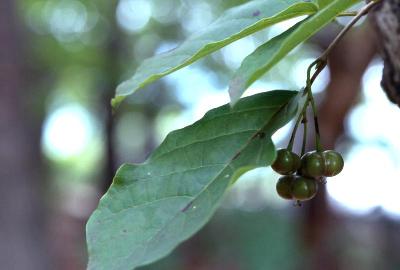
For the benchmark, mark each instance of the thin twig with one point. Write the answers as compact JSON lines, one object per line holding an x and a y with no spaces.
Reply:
{"x":339,"y":37}
{"x":319,"y":64}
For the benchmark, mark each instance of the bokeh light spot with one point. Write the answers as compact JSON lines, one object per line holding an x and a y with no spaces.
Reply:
{"x":133,"y":15}
{"x":67,"y":132}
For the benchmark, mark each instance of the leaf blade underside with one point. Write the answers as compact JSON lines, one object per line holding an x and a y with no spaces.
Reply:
{"x":152,"y":207}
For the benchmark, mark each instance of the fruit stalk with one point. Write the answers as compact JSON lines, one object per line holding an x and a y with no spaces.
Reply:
{"x":313,"y":106}
{"x":304,"y":121}
{"x":296,"y":126}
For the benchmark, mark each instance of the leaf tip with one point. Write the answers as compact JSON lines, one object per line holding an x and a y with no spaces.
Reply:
{"x":235,"y":90}
{"x":115,"y":102}
{"x":123,"y":90}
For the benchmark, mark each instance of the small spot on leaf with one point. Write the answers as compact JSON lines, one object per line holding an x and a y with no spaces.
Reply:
{"x":187,"y":207}
{"x":236,"y":156}
{"x":259,"y":135}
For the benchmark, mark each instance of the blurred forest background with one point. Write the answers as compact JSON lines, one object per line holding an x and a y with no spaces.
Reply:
{"x":60,"y":62}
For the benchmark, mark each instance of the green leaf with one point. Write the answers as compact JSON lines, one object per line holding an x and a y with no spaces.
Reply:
{"x":234,"y":24}
{"x":152,"y":207}
{"x":269,"y":54}
{"x":323,"y":3}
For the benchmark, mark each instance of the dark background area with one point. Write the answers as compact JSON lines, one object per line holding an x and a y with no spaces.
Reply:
{"x":60,"y":62}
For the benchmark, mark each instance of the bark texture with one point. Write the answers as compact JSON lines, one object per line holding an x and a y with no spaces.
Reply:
{"x":386,"y":18}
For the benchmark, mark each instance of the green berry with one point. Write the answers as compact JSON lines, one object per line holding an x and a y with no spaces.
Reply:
{"x":304,"y":188}
{"x":312,"y":164}
{"x":286,"y":162}
{"x":333,"y":163}
{"x":284,"y":186}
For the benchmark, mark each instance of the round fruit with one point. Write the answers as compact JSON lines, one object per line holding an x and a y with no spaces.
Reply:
{"x":304,"y":188}
{"x":286,"y":162}
{"x":284,"y":186}
{"x":312,"y":164}
{"x":333,"y":163}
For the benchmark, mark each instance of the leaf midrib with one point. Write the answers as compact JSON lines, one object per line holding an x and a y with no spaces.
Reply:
{"x":156,"y":157}
{"x":147,"y":203}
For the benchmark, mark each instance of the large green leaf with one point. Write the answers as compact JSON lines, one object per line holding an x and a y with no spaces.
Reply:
{"x":234,"y":24}
{"x":150,"y":208}
{"x":323,"y":3}
{"x":270,"y":53}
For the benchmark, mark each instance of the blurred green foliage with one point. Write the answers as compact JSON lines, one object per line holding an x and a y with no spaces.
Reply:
{"x":237,"y":239}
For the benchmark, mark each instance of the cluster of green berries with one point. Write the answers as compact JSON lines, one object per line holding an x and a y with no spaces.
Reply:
{"x":301,"y":175}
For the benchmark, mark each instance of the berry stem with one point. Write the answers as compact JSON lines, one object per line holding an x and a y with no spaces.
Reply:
{"x":321,"y":62}
{"x":319,"y":66}
{"x":296,"y":126}
{"x":304,"y":121}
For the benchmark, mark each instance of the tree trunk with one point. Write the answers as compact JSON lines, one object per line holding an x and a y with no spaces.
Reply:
{"x":387,"y":21}
{"x":22,"y":223}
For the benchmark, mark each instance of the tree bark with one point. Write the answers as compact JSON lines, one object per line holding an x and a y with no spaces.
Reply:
{"x":386,"y":18}
{"x":22,"y":223}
